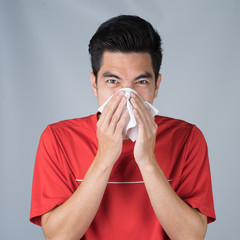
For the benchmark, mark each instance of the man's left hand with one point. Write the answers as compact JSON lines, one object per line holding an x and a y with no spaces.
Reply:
{"x":147,"y":129}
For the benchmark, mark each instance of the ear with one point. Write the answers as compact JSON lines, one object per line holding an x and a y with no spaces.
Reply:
{"x":93,"y":84}
{"x":159,"y":79}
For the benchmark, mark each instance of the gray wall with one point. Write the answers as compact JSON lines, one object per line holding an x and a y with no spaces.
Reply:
{"x":44,"y":78}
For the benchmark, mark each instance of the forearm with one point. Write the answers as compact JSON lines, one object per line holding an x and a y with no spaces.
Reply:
{"x":71,"y":219}
{"x":178,"y":219}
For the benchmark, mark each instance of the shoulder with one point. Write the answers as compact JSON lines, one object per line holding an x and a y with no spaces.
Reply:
{"x":72,"y":123}
{"x":177,"y":128}
{"x":76,"y":126}
{"x":168,"y":122}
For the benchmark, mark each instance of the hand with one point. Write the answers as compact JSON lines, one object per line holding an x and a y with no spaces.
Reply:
{"x":110,"y":127}
{"x":147,"y":129}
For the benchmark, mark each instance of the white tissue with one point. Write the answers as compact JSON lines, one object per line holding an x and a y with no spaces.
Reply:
{"x":131,"y":129}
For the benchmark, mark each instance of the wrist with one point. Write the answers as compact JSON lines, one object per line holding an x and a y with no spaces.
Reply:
{"x":148,"y":163}
{"x":104,"y":161}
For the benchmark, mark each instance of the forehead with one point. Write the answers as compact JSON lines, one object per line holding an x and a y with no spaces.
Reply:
{"x":132,"y":61}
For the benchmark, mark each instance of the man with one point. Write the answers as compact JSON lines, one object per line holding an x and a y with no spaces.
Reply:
{"x":90,"y":182}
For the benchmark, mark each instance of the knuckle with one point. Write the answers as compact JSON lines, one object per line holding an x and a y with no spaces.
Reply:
{"x":98,"y":124}
{"x":154,"y":130}
{"x":107,"y":108}
{"x":120,"y":125}
{"x":114,"y":118}
{"x":112,"y":124}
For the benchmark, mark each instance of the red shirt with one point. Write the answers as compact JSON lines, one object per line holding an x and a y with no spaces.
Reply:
{"x":67,"y":149}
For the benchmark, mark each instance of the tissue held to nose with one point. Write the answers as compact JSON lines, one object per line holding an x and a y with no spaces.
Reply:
{"x":131,"y":129}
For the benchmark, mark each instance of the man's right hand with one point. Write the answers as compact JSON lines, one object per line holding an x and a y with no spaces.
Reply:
{"x":110,"y":128}
{"x":70,"y":220}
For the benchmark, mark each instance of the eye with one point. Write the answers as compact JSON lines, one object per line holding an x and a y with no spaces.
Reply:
{"x":142,"y":82}
{"x":112,"y":81}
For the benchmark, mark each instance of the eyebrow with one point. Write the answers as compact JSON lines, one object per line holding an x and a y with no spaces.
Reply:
{"x":110,"y":75}
{"x":143,"y":75}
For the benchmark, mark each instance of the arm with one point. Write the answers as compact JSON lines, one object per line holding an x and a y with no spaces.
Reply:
{"x":71,"y":220}
{"x":178,"y":219}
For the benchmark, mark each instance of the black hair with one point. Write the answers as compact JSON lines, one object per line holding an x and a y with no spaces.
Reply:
{"x":125,"y":33}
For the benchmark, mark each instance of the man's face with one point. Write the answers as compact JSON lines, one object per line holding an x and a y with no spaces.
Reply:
{"x":125,"y":70}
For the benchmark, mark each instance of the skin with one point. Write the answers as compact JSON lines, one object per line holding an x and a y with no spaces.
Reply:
{"x":125,"y":70}
{"x":71,"y":220}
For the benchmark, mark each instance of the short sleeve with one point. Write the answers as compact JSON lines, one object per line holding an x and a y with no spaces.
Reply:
{"x":50,"y":187}
{"x":195,"y":187}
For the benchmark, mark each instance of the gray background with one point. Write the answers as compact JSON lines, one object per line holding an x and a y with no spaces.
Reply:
{"x":44,"y":78}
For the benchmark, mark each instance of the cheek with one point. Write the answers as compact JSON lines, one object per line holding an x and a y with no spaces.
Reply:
{"x":103,"y":96}
{"x":141,"y":92}
{"x":146,"y":95}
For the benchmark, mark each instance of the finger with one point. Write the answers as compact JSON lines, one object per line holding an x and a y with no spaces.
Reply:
{"x":142,"y":110}
{"x":143,"y":116}
{"x":110,"y":108}
{"x":118,"y":113}
{"x":139,"y":120}
{"x":110,"y":124}
{"x":122,"y":122}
